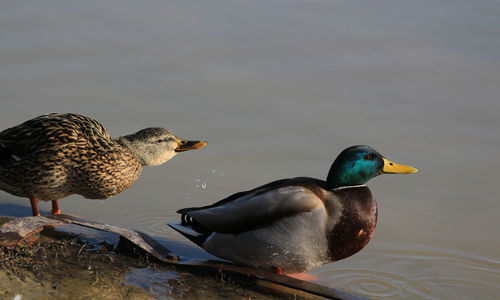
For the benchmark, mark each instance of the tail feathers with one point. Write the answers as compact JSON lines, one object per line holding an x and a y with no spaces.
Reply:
{"x":6,"y":157}
{"x":189,"y":232}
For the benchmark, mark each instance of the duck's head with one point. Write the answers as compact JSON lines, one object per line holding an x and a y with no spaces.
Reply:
{"x":153,"y":146}
{"x":358,"y":164}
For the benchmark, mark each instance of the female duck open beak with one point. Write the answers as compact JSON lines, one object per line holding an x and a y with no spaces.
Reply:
{"x":394,"y":168}
{"x":185,"y":145}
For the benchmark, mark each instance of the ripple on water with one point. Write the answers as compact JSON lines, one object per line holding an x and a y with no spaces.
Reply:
{"x":372,"y":283}
{"x":413,"y":272}
{"x":152,"y":221}
{"x":154,"y":225}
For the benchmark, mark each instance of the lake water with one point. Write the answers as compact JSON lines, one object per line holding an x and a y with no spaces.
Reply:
{"x":279,"y":88}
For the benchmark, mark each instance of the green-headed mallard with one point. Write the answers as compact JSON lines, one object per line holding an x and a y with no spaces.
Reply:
{"x":53,"y":156}
{"x":293,"y":225}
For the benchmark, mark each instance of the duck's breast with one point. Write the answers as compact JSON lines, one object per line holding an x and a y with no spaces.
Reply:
{"x":357,"y":222}
{"x":101,"y":172}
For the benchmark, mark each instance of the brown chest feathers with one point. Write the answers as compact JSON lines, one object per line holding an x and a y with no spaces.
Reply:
{"x":354,"y":229}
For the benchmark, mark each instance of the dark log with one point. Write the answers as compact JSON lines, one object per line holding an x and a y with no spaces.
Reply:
{"x":18,"y":230}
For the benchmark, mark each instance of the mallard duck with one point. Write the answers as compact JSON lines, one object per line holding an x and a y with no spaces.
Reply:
{"x":294,"y":225}
{"x":53,"y":156}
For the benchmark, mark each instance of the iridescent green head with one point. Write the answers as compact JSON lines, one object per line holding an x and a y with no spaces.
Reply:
{"x":358,"y":164}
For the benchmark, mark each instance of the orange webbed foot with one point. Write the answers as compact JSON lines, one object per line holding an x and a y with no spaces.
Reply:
{"x":301,"y":276}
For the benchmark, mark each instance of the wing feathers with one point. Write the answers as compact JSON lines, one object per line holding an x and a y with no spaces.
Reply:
{"x":46,"y":132}
{"x":256,"y":209}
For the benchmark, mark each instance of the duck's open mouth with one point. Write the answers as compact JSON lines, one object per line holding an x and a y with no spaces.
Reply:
{"x":184,"y":145}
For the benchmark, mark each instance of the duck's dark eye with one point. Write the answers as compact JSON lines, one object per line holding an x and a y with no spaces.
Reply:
{"x":171,"y":139}
{"x":160,"y":141}
{"x":369,"y":157}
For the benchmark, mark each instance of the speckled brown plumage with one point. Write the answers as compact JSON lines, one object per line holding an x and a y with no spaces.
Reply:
{"x":56,"y":155}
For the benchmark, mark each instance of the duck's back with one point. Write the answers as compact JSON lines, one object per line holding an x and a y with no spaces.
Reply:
{"x":55,"y":155}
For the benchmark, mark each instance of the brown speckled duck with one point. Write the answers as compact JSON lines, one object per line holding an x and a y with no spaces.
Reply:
{"x":56,"y":155}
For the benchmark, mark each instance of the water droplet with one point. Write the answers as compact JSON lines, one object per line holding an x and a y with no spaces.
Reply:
{"x":204,"y":185}
{"x":189,"y":193}
{"x":197,"y":185}
{"x":197,"y":180}
{"x":213,"y":171}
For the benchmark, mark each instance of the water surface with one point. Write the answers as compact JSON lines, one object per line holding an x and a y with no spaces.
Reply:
{"x":279,"y":88}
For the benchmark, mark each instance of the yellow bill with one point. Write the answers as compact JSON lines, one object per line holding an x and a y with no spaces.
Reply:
{"x":394,"y":168}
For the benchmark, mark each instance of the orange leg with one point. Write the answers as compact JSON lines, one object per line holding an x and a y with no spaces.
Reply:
{"x":34,"y":206}
{"x":55,"y":207}
{"x":301,"y":276}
